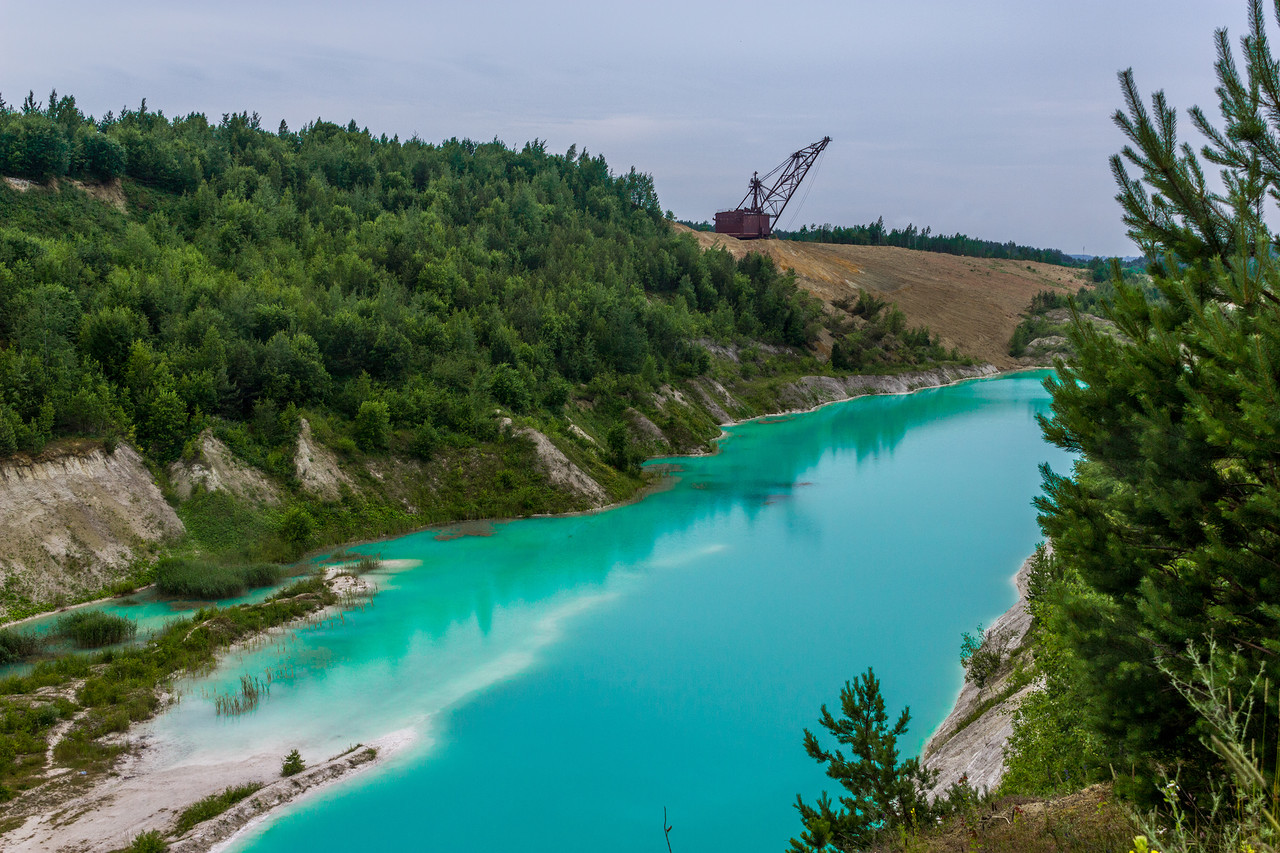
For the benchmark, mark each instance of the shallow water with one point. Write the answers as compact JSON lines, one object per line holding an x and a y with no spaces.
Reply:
{"x":567,"y":678}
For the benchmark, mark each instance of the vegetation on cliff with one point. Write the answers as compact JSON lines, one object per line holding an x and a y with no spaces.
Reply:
{"x":1156,"y":623}
{"x":1156,"y":616}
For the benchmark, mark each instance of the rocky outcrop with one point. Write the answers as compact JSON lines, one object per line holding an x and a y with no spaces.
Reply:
{"x":812,"y":391}
{"x":971,"y":740}
{"x":218,"y":469}
{"x":73,"y":522}
{"x":317,"y":468}
{"x":562,"y":472}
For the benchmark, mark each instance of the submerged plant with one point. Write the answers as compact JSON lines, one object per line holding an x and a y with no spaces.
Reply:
{"x":251,"y":691}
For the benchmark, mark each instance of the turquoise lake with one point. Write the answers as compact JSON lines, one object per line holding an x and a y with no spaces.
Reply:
{"x":564,"y":679}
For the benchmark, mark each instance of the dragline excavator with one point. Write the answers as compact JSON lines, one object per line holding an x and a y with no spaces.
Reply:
{"x":760,"y":207}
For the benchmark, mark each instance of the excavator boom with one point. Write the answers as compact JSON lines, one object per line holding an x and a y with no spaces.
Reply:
{"x":760,"y":207}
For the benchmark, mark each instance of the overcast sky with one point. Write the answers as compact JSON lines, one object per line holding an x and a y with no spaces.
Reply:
{"x":990,"y":117}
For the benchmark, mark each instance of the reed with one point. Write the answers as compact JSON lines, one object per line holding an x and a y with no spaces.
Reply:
{"x":93,"y":629}
{"x":251,"y":692}
{"x":199,"y":579}
{"x":16,"y":646}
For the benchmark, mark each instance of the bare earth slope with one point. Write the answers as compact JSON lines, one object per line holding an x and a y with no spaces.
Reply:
{"x":972,"y":304}
{"x":71,"y":519}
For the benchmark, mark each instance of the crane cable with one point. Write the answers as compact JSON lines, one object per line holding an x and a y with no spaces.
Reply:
{"x":817,"y":167}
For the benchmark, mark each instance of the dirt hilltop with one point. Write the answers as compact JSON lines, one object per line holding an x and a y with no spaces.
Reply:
{"x":972,"y":304}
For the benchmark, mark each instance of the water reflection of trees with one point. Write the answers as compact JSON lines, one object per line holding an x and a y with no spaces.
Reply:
{"x":536,"y":561}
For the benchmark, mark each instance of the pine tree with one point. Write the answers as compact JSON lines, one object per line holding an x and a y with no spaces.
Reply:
{"x":1171,"y":518}
{"x":883,"y":793}
{"x":292,"y":764}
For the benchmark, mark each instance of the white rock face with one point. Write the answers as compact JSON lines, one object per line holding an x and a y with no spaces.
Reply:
{"x":217,"y":468}
{"x":811,"y":391}
{"x":562,"y":472}
{"x":317,"y":467}
{"x":70,"y":523}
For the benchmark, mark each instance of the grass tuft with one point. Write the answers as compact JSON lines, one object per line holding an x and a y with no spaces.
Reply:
{"x":213,"y":805}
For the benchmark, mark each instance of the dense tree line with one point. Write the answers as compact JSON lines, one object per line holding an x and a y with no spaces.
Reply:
{"x":925,"y":240}
{"x":403,"y":286}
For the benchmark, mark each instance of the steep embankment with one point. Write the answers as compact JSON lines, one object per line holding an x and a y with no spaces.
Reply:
{"x":73,"y":519}
{"x":972,"y":304}
{"x":970,"y":742}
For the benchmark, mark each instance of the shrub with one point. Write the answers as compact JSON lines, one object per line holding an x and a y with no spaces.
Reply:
{"x":982,"y":655}
{"x":296,"y":525}
{"x":148,"y":842}
{"x":425,"y":440}
{"x":372,"y":429}
{"x":92,"y":629}
{"x":293,"y":764}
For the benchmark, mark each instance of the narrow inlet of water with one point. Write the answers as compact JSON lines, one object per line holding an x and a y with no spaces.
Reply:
{"x":565,"y":679}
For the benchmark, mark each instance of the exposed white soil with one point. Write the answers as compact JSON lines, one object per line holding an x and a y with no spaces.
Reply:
{"x":977,"y":749}
{"x":110,"y":192}
{"x":713,"y":397}
{"x":21,"y":184}
{"x":71,"y":523}
{"x":667,"y":394}
{"x":1049,"y":344}
{"x":810,"y":392}
{"x":733,"y":352}
{"x":562,"y":472}
{"x":646,"y":429}
{"x":149,"y":791}
{"x":581,"y":433}
{"x":317,"y":467}
{"x":218,"y":469}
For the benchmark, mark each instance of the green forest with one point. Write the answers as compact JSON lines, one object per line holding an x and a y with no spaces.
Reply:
{"x":165,"y":278}
{"x":255,"y":273}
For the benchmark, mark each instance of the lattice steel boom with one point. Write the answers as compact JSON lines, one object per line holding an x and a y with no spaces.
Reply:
{"x":761,"y":207}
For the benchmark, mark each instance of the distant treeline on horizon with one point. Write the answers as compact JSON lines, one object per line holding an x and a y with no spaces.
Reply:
{"x":924,"y":240}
